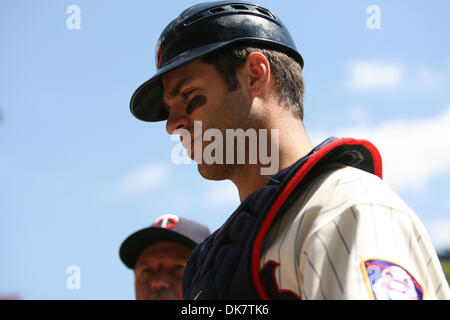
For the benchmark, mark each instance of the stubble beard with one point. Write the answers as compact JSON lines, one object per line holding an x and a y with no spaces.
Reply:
{"x":234,"y":113}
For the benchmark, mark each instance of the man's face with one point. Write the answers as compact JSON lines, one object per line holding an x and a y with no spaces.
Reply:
{"x":197,"y":92}
{"x":159,"y":271}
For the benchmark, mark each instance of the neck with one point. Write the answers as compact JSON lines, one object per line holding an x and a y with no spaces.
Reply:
{"x":293,"y":144}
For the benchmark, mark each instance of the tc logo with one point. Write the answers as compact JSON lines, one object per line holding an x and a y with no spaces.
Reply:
{"x":166,"y":221}
{"x":159,"y":56}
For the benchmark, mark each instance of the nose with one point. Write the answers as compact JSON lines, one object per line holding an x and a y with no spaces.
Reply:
{"x":159,"y":283}
{"x":177,"y":121}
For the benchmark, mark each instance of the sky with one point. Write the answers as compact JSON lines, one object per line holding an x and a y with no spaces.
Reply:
{"x":78,"y":173}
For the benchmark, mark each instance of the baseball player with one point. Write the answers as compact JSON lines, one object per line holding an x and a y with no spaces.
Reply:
{"x":158,"y":256}
{"x":324,"y":225}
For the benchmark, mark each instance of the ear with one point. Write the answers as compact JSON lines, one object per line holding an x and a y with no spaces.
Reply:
{"x":257,"y":72}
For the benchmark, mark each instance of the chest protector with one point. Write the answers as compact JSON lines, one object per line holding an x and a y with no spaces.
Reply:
{"x":227,"y":264}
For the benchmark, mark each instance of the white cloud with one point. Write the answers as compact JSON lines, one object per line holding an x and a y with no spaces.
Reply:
{"x":143,"y":178}
{"x":366,"y":75}
{"x":413,"y":151}
{"x":374,"y":74}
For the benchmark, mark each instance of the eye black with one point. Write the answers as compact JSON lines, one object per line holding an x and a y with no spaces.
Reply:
{"x":195,"y":103}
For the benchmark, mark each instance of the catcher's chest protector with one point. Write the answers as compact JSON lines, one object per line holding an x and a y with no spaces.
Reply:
{"x":227,"y":264}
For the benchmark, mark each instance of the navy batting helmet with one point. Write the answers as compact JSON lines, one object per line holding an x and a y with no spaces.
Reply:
{"x":200,"y":30}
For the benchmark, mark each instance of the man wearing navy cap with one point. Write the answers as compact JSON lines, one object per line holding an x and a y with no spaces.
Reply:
{"x":158,"y":255}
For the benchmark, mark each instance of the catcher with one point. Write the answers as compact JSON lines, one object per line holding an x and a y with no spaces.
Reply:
{"x":324,"y":225}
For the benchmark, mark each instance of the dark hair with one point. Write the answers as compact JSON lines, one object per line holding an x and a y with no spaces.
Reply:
{"x":287,"y":71}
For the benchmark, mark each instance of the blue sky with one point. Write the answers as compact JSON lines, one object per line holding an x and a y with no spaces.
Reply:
{"x":78,"y":173}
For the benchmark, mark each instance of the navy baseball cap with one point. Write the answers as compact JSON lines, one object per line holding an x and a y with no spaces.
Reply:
{"x":168,"y":227}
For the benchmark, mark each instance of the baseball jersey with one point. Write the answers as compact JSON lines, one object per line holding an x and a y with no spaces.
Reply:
{"x":349,"y":236}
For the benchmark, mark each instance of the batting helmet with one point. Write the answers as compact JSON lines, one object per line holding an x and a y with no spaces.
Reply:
{"x":202,"y":29}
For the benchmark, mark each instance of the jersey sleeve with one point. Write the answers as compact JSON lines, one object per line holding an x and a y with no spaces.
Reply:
{"x":371,"y":251}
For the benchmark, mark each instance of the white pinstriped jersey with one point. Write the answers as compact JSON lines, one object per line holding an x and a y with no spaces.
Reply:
{"x":349,"y":236}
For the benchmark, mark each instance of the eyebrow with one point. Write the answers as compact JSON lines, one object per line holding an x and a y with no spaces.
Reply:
{"x":176,"y":90}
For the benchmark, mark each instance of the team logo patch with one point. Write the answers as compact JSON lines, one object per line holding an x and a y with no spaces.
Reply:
{"x":389,"y":281}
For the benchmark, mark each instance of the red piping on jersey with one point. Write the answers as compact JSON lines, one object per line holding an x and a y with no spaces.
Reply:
{"x":290,"y":187}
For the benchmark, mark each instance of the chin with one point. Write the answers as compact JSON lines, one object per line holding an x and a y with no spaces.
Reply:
{"x":215,"y":172}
